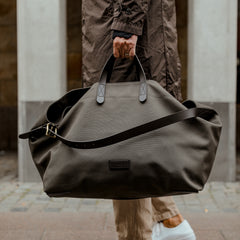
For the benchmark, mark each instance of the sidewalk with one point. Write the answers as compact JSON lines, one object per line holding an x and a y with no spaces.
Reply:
{"x":27,"y":213}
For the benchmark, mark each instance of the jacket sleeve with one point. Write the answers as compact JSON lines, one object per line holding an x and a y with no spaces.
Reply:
{"x":129,"y":16}
{"x":121,"y":34}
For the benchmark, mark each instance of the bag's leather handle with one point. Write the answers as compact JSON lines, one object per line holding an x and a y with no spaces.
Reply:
{"x":133,"y":132}
{"x":106,"y":75}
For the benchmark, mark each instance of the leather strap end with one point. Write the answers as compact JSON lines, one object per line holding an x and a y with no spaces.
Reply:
{"x":100,"y":100}
{"x":30,"y":133}
{"x":24,"y":135}
{"x":143,"y":92}
{"x":100,"y":93}
{"x":142,"y":98}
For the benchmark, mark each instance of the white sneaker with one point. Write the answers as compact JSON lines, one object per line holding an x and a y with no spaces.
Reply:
{"x":183,"y":231}
{"x":156,"y":232}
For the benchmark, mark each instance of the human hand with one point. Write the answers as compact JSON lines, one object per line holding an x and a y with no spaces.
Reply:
{"x":125,"y":48}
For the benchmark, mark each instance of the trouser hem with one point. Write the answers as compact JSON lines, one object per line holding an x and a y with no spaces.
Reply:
{"x":162,"y":216}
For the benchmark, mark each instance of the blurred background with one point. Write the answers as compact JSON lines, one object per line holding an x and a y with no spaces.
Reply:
{"x":40,"y":59}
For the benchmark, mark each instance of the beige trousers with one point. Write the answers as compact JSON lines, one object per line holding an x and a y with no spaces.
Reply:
{"x":134,"y":219}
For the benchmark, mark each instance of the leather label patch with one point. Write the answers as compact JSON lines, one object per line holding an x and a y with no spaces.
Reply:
{"x":119,"y":164}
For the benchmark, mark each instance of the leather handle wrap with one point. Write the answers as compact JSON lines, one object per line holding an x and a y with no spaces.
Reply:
{"x":106,"y":75}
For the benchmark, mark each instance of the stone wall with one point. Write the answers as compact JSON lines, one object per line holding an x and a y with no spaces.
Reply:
{"x":8,"y":61}
{"x":182,"y":20}
{"x":8,"y":65}
{"x":74,"y":44}
{"x":8,"y":75}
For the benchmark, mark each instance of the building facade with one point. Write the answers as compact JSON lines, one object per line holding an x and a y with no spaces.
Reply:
{"x":41,"y":59}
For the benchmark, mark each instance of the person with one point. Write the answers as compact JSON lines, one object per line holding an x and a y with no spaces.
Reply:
{"x":146,"y":28}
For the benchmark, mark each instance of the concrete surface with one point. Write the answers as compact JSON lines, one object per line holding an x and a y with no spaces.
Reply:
{"x":212,"y":61}
{"x":41,"y":57}
{"x":27,"y":213}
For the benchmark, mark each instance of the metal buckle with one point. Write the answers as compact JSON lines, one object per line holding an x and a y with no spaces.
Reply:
{"x":51,"y":127}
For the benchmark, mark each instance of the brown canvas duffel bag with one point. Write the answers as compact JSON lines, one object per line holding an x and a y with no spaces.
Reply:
{"x":124,"y":140}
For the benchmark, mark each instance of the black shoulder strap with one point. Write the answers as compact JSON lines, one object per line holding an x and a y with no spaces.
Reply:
{"x":132,"y":132}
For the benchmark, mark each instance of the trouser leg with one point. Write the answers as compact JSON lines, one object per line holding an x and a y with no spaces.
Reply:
{"x":133,"y":219}
{"x":163,"y":208}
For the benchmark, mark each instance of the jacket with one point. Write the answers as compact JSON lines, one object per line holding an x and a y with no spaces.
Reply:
{"x":154,"y":21}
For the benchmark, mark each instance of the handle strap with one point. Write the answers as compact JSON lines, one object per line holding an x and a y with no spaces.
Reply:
{"x":106,"y":75}
{"x":132,"y":132}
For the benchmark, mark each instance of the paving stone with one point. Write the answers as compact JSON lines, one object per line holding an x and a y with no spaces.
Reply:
{"x":87,"y":208}
{"x":57,"y":200}
{"x":230,"y":191}
{"x":73,"y":200}
{"x":20,"y":235}
{"x":23,"y":204}
{"x":19,"y":209}
{"x":9,"y":200}
{"x":194,"y":209}
{"x":207,"y":201}
{"x":55,"y":206}
{"x":210,"y":206}
{"x":29,"y":198}
{"x":217,"y":185}
{"x":26,"y":185}
{"x":68,"y":209}
{"x":104,"y":201}
{"x":216,"y":197}
{"x":34,"y":191}
{"x":72,"y":205}
{"x":89,"y":202}
{"x":179,"y":199}
{"x":37,"y":207}
{"x":102,"y":210}
{"x":42,"y":198}
{"x":232,"y":185}
{"x":5,"y":209}
{"x":52,"y":209}
{"x":231,"y":235}
{"x":100,"y":226}
{"x":69,"y":235}
{"x":209,"y":235}
{"x":228,"y":210}
{"x":234,"y":199}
